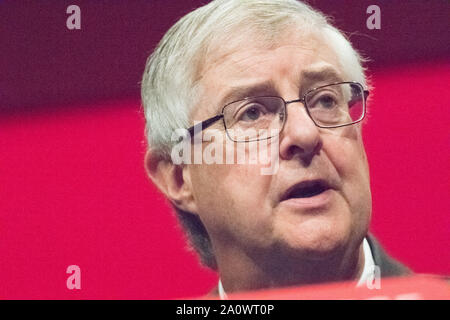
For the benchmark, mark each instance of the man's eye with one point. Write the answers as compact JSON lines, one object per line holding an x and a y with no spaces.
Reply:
{"x":251,"y":113}
{"x":326,"y":102}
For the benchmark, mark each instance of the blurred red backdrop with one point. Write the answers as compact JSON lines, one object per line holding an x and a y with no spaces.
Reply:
{"x":74,"y":190}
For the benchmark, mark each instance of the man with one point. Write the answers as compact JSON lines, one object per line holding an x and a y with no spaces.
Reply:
{"x":273,"y":72}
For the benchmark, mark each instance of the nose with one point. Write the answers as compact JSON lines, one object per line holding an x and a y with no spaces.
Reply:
{"x":300,"y":136}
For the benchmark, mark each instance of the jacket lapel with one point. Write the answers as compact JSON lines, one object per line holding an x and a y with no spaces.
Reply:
{"x":389,"y":267}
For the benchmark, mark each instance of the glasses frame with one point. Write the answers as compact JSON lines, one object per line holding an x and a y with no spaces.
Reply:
{"x":210,"y":121}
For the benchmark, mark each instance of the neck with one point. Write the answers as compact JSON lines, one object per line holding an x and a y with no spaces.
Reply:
{"x":244,"y":272}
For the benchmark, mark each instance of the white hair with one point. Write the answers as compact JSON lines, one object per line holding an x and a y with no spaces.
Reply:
{"x":169,"y":86}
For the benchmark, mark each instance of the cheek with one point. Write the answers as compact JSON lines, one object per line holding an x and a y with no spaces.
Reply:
{"x":345,"y":150}
{"x":234,"y":180}
{"x":231,"y":198}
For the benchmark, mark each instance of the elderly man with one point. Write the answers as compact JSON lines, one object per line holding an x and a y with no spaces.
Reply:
{"x":270,"y":73}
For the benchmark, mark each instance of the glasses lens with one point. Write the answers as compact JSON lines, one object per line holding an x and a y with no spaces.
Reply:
{"x":254,"y":118}
{"x":336,"y":104}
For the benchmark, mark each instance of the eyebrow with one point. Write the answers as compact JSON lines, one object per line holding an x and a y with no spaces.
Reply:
{"x":308,"y":77}
{"x":254,"y":90}
{"x":326,"y":73}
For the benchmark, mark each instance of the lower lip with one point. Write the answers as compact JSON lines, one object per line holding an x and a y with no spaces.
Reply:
{"x":317,"y":201}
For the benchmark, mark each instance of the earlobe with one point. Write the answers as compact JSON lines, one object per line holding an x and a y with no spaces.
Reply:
{"x":172,"y":180}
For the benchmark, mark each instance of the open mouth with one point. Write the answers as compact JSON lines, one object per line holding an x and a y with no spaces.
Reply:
{"x":306,"y":189}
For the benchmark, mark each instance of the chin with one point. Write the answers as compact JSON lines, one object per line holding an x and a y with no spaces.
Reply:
{"x":319,"y":241}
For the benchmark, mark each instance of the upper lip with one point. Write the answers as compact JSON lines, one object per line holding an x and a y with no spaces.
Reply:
{"x":303,"y":186}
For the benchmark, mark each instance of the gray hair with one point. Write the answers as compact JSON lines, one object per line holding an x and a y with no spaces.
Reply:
{"x":169,"y":87}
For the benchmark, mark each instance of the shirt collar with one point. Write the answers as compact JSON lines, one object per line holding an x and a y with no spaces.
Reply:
{"x":222,"y":294}
{"x":369,"y":264}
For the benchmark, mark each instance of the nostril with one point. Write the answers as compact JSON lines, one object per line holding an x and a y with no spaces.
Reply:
{"x":293,"y":149}
{"x":302,"y":147}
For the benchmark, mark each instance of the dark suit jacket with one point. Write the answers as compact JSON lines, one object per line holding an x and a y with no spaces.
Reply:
{"x":389,"y":267}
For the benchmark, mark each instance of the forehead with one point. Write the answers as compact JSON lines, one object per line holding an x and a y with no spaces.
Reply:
{"x":249,"y":68}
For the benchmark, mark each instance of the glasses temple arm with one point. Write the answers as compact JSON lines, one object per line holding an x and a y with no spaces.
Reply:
{"x":352,"y":102}
{"x":204,"y":124}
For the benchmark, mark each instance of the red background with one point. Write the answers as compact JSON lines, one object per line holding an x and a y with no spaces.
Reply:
{"x":73,"y":187}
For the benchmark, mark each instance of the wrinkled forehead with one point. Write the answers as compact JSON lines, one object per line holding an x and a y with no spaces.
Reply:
{"x":238,"y":63}
{"x":245,"y":40}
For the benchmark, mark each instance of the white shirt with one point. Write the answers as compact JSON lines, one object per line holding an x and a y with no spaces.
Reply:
{"x":366,"y":274}
{"x":369,"y":265}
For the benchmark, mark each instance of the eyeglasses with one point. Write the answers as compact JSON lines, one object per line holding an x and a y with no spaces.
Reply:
{"x":259,"y":118}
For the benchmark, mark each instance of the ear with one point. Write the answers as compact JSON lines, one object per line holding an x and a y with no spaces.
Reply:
{"x":172,"y":180}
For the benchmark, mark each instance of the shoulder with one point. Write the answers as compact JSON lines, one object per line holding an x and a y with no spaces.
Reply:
{"x":389,"y":267}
